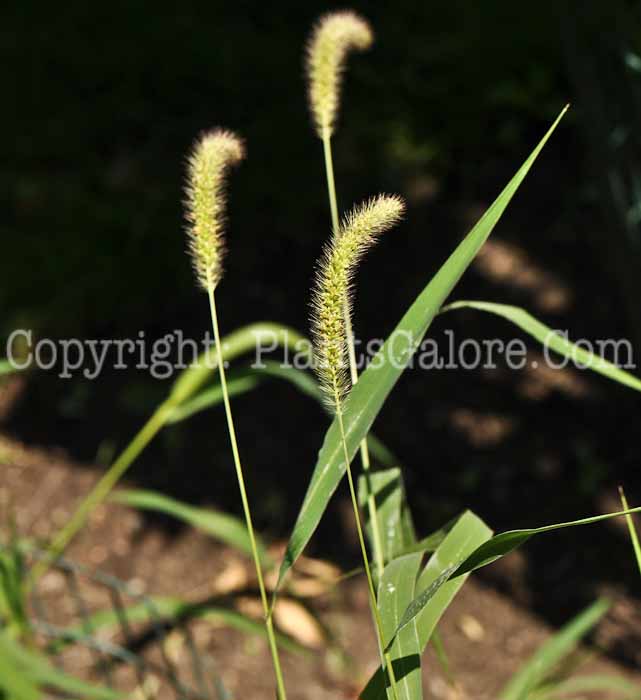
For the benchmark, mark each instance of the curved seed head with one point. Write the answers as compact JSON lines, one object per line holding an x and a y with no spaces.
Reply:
{"x":335,"y":35}
{"x":333,"y":287}
{"x":213,"y":153}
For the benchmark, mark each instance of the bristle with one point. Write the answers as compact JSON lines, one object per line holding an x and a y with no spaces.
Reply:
{"x":332,"y":292}
{"x":333,"y":37}
{"x":213,"y":153}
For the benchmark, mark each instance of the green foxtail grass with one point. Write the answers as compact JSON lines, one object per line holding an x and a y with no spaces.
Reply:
{"x":634,"y":537}
{"x":331,"y":304}
{"x":334,"y":35}
{"x":212,"y":155}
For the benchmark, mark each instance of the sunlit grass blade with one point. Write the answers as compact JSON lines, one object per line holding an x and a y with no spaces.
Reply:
{"x":550,"y":339}
{"x":233,"y":345}
{"x":632,"y":529}
{"x":495,"y":548}
{"x":221,"y":526}
{"x":237,"y":384}
{"x":395,"y":590}
{"x":389,"y":493}
{"x":175,"y":610}
{"x":431,"y":542}
{"x":368,"y":396}
{"x":462,"y":538}
{"x":469,"y":533}
{"x":537,"y":668}
{"x":502,"y":544}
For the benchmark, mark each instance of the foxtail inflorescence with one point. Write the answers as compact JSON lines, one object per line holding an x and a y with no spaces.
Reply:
{"x":212,"y":155}
{"x":332,"y":292}
{"x":333,"y":37}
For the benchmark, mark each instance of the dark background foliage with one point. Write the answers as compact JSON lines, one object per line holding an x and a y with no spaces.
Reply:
{"x":103,"y":101}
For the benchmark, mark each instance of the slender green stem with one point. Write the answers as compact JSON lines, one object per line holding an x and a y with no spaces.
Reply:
{"x":243,"y":496}
{"x":353,"y":369}
{"x":385,"y":656}
{"x":633,"y":532}
{"x":329,"y":174}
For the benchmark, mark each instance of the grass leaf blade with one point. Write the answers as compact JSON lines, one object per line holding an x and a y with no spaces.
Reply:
{"x":367,"y":397}
{"x":222,"y":526}
{"x":545,"y":659}
{"x":389,"y":493}
{"x":632,"y":529}
{"x":495,"y":548}
{"x":549,"y":339}
{"x":395,"y":591}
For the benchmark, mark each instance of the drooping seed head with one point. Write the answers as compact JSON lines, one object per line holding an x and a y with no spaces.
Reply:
{"x":213,"y":153}
{"x":335,"y":35}
{"x":332,"y":292}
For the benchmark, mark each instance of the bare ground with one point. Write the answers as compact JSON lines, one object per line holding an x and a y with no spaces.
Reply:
{"x":486,"y":635}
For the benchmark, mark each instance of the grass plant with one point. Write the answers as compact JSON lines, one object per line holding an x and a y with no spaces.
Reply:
{"x":335,"y":35}
{"x":214,"y":153}
{"x":331,"y":306}
{"x":413,"y":580}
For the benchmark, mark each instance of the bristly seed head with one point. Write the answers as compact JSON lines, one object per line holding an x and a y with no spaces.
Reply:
{"x":332,"y":292}
{"x":333,"y":37}
{"x":213,"y":153}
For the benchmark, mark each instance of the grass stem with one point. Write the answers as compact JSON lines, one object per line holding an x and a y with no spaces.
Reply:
{"x":353,"y":369}
{"x":282,"y":695}
{"x":385,"y":656}
{"x":633,"y":532}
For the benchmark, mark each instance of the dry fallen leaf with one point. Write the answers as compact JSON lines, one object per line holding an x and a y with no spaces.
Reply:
{"x":292,"y":618}
{"x":471,"y":628}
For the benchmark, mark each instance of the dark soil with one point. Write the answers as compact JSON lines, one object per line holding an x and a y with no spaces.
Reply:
{"x":486,"y":633}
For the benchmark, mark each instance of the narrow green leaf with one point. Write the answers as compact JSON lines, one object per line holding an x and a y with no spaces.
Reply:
{"x":395,"y":591}
{"x":490,"y":551}
{"x":550,"y":339}
{"x":302,"y":380}
{"x":502,"y":544}
{"x":222,"y":526}
{"x":243,"y":340}
{"x":463,"y":536}
{"x":431,"y":542}
{"x":545,"y":659}
{"x":213,"y":396}
{"x":389,"y":495}
{"x":468,"y":534}
{"x":368,"y":396}
{"x":631,"y":529}
{"x":422,"y":599}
